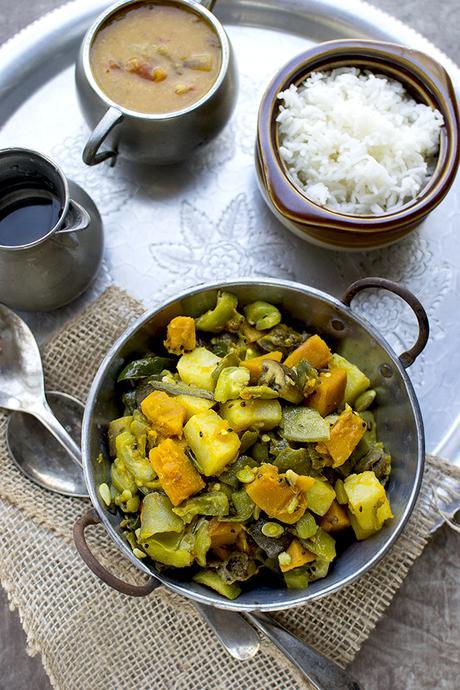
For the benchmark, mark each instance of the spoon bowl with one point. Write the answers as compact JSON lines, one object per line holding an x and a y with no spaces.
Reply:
{"x":37,"y":453}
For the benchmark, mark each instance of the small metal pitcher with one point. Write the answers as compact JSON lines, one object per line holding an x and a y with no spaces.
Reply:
{"x":153,"y":138}
{"x":60,"y":265}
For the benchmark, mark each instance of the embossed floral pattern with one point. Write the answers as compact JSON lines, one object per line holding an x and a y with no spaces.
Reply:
{"x":233,"y":247}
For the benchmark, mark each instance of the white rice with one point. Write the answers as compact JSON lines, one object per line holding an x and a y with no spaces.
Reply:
{"x":356,"y":141}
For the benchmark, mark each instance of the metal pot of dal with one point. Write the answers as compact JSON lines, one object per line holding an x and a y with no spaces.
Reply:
{"x":397,"y":415}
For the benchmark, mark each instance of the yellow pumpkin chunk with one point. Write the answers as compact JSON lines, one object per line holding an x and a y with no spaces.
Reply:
{"x":181,"y":335}
{"x":329,"y":394}
{"x":275,"y":496}
{"x":254,"y":365}
{"x":179,"y":479}
{"x":314,"y":350}
{"x":304,"y":482}
{"x":299,"y":556}
{"x":226,"y":534}
{"x":166,"y":414}
{"x":335,"y":519}
{"x":346,"y":433}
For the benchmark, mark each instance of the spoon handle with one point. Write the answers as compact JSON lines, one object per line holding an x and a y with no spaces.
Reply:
{"x":233,"y":631}
{"x":322,"y":673}
{"x":45,"y":415}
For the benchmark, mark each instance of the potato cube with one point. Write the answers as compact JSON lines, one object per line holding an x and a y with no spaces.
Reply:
{"x":212,"y":442}
{"x":195,"y":368}
{"x":194,"y":405}
{"x":257,"y":413}
{"x":367,"y":502}
{"x":357,"y":382}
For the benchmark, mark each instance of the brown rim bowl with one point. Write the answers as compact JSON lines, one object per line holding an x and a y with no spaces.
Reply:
{"x":424,"y":79}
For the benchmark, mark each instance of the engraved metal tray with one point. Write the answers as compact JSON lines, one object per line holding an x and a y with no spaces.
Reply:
{"x":204,"y":220}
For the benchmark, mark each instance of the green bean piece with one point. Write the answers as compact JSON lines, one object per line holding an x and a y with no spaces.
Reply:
{"x":215,"y":320}
{"x":229,"y":476}
{"x":142,"y":368}
{"x":262,"y":315}
{"x":272,"y":529}
{"x":246,"y":475}
{"x":179,"y":388}
{"x":297,"y":578}
{"x":365,"y":400}
{"x":157,"y":516}
{"x":213,"y":503}
{"x":306,"y":527}
{"x":231,"y":382}
{"x":247,"y":440}
{"x":211,"y":579}
{"x":202,"y":542}
{"x":340,"y":493}
{"x":321,"y":544}
{"x":262,"y":392}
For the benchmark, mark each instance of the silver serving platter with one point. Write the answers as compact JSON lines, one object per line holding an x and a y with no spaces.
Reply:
{"x":170,"y":228}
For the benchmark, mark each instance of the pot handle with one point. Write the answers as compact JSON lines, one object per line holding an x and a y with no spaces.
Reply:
{"x":91,"y":153}
{"x":92,"y":518}
{"x":409,"y":357}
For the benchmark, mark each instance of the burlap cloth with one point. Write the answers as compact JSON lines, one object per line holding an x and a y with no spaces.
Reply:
{"x":92,"y":638}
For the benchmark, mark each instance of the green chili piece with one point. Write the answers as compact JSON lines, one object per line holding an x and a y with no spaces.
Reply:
{"x":117,"y":427}
{"x":215,"y":320}
{"x":170,"y":549}
{"x":142,"y":368}
{"x":262,"y":315}
{"x":247,"y":440}
{"x":202,"y":542}
{"x":121,"y":477}
{"x":211,"y":579}
{"x":340,"y":493}
{"x":157,"y":516}
{"x":229,"y":360}
{"x":321,"y":544}
{"x":318,"y":569}
{"x":302,"y":424}
{"x":138,"y":465}
{"x":179,"y":388}
{"x":296,"y":578}
{"x":262,"y":392}
{"x":213,"y":503}
{"x":231,"y":382}
{"x":296,"y":460}
{"x":306,"y":527}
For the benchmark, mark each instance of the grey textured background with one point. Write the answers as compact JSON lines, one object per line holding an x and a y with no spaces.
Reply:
{"x":415,"y":645}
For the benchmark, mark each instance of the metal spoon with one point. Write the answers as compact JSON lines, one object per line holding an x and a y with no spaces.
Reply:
{"x":22,"y":390}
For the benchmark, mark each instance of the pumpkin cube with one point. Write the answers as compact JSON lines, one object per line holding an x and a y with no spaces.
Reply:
{"x":212,"y":441}
{"x":330,"y":392}
{"x":254,"y":365}
{"x":299,"y":556}
{"x":275,"y":496}
{"x":346,"y":433}
{"x":335,"y":519}
{"x":314,"y":350}
{"x":179,"y":479}
{"x":180,"y":335}
{"x":165,"y":413}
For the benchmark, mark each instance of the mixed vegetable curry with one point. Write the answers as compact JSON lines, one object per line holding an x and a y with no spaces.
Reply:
{"x":246,"y":447}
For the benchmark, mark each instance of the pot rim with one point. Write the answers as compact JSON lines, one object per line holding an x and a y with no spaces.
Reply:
{"x":193,"y":6}
{"x":182,"y":588}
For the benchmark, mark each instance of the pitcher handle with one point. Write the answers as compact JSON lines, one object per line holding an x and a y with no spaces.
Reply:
{"x":91,"y":153}
{"x":406,"y":358}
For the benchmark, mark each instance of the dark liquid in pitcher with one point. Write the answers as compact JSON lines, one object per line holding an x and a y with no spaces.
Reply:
{"x":28,"y":211}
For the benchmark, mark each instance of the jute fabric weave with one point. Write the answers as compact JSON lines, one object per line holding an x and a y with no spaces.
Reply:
{"x":93,"y":638}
